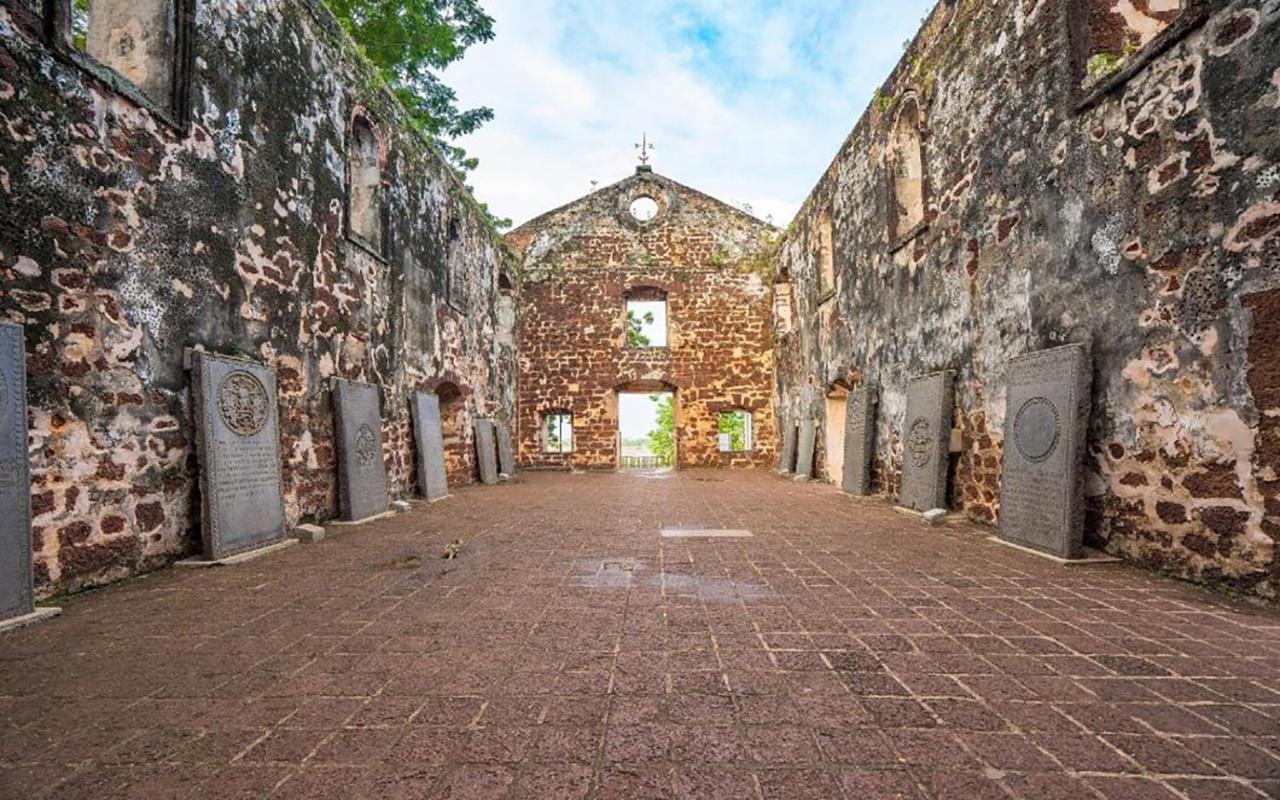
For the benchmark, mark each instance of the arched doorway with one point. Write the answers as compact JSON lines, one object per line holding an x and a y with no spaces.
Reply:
{"x":833,"y":436}
{"x":646,"y":411}
{"x":459,"y":466}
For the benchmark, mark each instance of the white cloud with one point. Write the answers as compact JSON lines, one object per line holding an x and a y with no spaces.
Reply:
{"x":747,"y":100}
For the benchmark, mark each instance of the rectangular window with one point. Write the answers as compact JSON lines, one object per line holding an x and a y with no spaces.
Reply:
{"x":646,"y":320}
{"x":826,"y":256}
{"x":557,"y":430}
{"x":735,"y":431}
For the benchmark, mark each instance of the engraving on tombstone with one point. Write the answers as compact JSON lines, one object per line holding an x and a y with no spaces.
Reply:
{"x":506,"y":449}
{"x":926,"y":442}
{"x":859,"y":440}
{"x":362,"y":470}
{"x":787,"y":456}
{"x":15,"y":482}
{"x":804,"y":455}
{"x":238,"y":445}
{"x":429,"y":433}
{"x":486,"y":451}
{"x":1046,"y":424}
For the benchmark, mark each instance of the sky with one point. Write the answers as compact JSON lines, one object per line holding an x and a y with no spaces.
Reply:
{"x":746,"y":100}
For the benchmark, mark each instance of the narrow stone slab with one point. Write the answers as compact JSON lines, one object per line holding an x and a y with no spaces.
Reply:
{"x":230,"y":561}
{"x":486,"y":451}
{"x":926,"y":441}
{"x":238,"y":444}
{"x":309,"y":534}
{"x":1046,"y":423}
{"x":1088,"y":556}
{"x":859,"y":440}
{"x":787,"y":455}
{"x":804,"y":453}
{"x":33,"y":618}
{"x":15,"y":477}
{"x":506,"y":449}
{"x":362,"y":469}
{"x":429,"y":434}
{"x":710,"y":533}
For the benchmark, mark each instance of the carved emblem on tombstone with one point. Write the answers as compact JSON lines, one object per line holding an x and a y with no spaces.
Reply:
{"x":243,"y":403}
{"x":367,"y":448}
{"x":920,"y":442}
{"x":1037,"y":428}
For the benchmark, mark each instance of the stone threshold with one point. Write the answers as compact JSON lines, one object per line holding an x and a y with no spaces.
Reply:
{"x":34,"y":618}
{"x":709,"y":533}
{"x":1091,"y":558}
{"x":388,"y":514}
{"x":200,"y":563}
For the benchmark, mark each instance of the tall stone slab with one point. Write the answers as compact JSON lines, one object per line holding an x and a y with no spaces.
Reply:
{"x":787,"y":453}
{"x":362,"y":470}
{"x":804,"y":452}
{"x":1046,"y":425}
{"x":486,"y":451}
{"x":859,"y":440}
{"x":428,"y":433}
{"x":15,"y":477}
{"x":926,"y":441}
{"x":238,"y":444}
{"x":506,"y":449}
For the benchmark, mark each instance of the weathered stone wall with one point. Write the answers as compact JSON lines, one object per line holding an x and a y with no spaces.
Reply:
{"x":1088,"y":176}
{"x":126,"y":239}
{"x":579,"y":263}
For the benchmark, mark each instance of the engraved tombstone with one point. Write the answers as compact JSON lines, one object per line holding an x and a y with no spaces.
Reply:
{"x":238,"y":444}
{"x":1046,"y":421}
{"x":362,"y":471}
{"x":859,"y":440}
{"x":506,"y":449}
{"x":804,"y":453}
{"x":15,"y":483}
{"x":787,"y":458}
{"x":926,"y":442}
{"x":486,"y":452}
{"x":428,"y":431}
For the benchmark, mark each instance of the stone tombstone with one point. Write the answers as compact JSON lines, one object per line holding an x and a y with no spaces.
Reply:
{"x":428,"y":433}
{"x":859,"y":440}
{"x":238,"y":444}
{"x":486,"y":451}
{"x":926,"y":441}
{"x":787,"y":456}
{"x":1046,"y":422}
{"x":804,"y":453}
{"x":362,"y":470}
{"x":506,"y":449}
{"x":15,"y":477}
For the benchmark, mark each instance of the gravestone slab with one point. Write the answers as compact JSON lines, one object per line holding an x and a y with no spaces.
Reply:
{"x":486,"y":451}
{"x":362,"y":470}
{"x":1046,"y":422}
{"x":859,"y":440}
{"x":804,"y":452}
{"x":429,"y":435}
{"x":926,"y":441}
{"x":506,"y":449}
{"x":238,"y":444}
{"x":15,"y":477}
{"x":787,"y":457}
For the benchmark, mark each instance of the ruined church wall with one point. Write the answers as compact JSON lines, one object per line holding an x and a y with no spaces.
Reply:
{"x":126,"y":239}
{"x":1138,"y":211}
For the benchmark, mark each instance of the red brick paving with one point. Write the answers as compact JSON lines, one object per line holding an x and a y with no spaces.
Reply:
{"x":845,"y":651}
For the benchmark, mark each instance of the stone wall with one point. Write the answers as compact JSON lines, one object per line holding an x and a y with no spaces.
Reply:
{"x":136,"y":227}
{"x":1092,"y":171}
{"x":578,"y":265}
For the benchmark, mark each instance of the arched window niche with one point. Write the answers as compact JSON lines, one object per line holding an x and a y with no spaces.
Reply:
{"x":905,"y":166}
{"x":366,"y":198}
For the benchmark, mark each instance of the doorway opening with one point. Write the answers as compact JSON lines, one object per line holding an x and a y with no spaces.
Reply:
{"x":458,"y":463}
{"x":646,"y":429}
{"x":833,"y":439}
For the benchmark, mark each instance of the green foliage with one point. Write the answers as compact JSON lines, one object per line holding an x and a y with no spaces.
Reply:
{"x":411,"y":42}
{"x":635,"y":328}
{"x":735,"y":424}
{"x":882,"y":99}
{"x":80,"y":24}
{"x":662,"y":439}
{"x":1102,"y":63}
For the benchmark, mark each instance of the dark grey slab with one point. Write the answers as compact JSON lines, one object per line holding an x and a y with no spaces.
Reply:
{"x":787,"y":456}
{"x":859,"y":440}
{"x":15,"y":477}
{"x":362,"y":470}
{"x":1046,"y":423}
{"x":506,"y":449}
{"x":926,"y":441}
{"x":428,"y":432}
{"x":238,"y":443}
{"x":805,"y":448}
{"x":486,"y":451}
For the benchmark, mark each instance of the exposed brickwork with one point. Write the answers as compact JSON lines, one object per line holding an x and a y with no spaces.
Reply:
{"x":578,"y":265}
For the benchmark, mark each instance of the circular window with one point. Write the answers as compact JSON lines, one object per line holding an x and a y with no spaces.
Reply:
{"x":644,"y":209}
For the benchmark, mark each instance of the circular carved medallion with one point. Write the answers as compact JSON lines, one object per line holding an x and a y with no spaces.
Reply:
{"x":920,"y":441}
{"x":367,"y":448}
{"x":243,"y":403}
{"x":1036,"y":429}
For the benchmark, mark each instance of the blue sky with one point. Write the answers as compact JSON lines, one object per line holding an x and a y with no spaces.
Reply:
{"x":746,"y":100}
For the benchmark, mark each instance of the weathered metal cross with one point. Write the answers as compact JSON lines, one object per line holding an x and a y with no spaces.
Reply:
{"x":645,"y":147}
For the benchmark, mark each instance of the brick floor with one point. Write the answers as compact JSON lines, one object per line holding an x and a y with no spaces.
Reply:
{"x":845,"y":651}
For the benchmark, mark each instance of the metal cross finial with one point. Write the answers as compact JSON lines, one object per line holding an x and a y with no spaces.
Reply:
{"x":645,"y":147}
